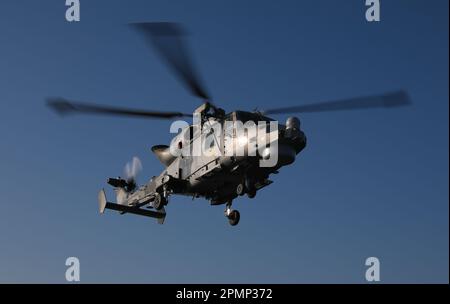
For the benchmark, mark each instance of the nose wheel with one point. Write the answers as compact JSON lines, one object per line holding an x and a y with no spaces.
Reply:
{"x":233,"y":215}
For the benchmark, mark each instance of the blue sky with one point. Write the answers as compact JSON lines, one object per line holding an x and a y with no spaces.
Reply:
{"x":369,"y":183}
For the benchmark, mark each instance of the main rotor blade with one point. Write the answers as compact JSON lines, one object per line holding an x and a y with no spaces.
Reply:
{"x":388,"y":100}
{"x":167,"y":38}
{"x":65,"y":107}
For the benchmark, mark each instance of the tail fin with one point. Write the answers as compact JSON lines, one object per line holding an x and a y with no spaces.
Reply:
{"x":101,"y":201}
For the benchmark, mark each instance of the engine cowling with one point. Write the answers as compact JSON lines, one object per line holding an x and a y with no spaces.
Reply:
{"x":162,"y":152}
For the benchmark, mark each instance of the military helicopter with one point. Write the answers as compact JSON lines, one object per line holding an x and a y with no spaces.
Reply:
{"x":218,"y":178}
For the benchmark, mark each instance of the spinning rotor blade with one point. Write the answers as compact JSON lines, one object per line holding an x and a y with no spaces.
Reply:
{"x":388,"y":100}
{"x":167,"y":38}
{"x":65,"y":107}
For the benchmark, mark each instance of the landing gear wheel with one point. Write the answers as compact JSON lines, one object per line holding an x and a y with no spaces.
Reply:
{"x":234,"y":217}
{"x":240,"y":189}
{"x":159,"y":201}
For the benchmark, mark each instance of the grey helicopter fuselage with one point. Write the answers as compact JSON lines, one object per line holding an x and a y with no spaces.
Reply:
{"x":221,"y":178}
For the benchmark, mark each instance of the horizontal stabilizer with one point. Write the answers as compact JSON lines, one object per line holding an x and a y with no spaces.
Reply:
{"x":136,"y":210}
{"x":104,"y":204}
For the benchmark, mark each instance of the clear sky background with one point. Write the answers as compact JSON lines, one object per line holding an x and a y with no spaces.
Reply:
{"x":369,"y":183}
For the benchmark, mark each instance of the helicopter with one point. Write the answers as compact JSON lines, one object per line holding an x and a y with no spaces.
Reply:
{"x":217,"y":177}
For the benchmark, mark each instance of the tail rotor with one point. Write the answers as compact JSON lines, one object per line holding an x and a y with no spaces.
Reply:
{"x":124,"y":187}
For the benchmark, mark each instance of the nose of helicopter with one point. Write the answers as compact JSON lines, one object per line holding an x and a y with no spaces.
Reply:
{"x":283,"y":153}
{"x":294,"y":134}
{"x":291,"y":140}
